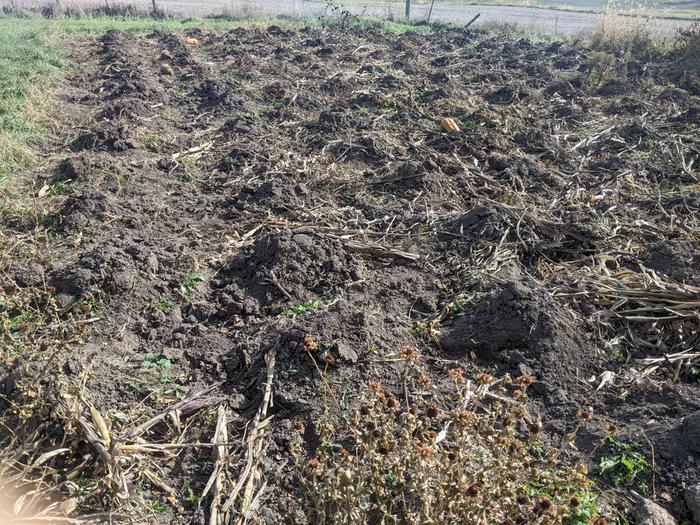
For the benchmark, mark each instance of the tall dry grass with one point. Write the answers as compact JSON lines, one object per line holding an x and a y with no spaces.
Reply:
{"x":620,"y":32}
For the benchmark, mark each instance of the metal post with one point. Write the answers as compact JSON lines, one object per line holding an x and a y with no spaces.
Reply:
{"x":408,"y":9}
{"x":430,"y":13}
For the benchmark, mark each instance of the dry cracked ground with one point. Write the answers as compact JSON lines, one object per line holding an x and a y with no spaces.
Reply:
{"x":216,"y":210}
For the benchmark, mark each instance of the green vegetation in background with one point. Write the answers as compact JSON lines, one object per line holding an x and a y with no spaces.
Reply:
{"x":28,"y":62}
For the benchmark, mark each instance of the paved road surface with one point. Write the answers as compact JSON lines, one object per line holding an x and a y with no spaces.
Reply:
{"x":524,"y":18}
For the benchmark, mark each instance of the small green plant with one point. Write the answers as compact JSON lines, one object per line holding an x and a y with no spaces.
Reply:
{"x":302,"y":308}
{"x":278,"y":104}
{"x":423,"y":331}
{"x":289,"y":370}
{"x":158,"y":367}
{"x":61,"y":188}
{"x":191,"y":496}
{"x":152,"y":142}
{"x":188,"y":284}
{"x":159,"y":304}
{"x":365,"y":112}
{"x":586,"y":508}
{"x":623,"y":464}
{"x":156,"y":507}
{"x":619,"y":356}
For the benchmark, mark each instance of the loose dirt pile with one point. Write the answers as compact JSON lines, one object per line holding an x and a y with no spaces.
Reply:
{"x":290,"y":193}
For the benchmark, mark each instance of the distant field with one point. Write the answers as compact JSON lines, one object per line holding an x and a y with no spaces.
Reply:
{"x":539,"y":16}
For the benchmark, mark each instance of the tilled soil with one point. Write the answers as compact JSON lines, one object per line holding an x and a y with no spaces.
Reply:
{"x":225,"y":201}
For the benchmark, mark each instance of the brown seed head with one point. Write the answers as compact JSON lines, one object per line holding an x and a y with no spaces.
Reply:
{"x":298,"y":426}
{"x":393,"y":404}
{"x":519,"y":412}
{"x":543,"y":505}
{"x":524,"y":381}
{"x":385,"y":448}
{"x":308,"y":343}
{"x":484,"y":378}
{"x":409,"y":355}
{"x":314,"y":468}
{"x":584,"y":415}
{"x":463,"y":418}
{"x":424,"y":451}
{"x":611,"y":429}
{"x":457,"y":375}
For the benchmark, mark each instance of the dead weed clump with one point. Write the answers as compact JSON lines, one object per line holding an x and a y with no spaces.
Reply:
{"x":686,"y":50}
{"x":475,"y":458}
{"x":620,"y":32}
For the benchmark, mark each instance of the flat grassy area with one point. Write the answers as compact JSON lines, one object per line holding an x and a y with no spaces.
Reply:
{"x":28,"y":63}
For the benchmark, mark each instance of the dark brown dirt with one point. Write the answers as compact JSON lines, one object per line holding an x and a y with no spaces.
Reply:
{"x":285,"y":183}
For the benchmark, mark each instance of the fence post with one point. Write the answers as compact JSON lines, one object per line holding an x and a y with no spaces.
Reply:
{"x":408,"y":9}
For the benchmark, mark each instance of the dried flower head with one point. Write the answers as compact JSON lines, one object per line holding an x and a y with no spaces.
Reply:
{"x":524,"y":381}
{"x":611,"y":429}
{"x":463,"y":418}
{"x":473,"y":490}
{"x":314,"y":468}
{"x":424,"y":451}
{"x":584,"y":415}
{"x":298,"y":426}
{"x":543,"y":505}
{"x":519,"y":412}
{"x":457,"y":375}
{"x":385,"y":448}
{"x":409,"y":355}
{"x":308,"y":343}
{"x":432,"y":411}
{"x":484,"y":379}
{"x":536,"y":426}
{"x":393,"y":404}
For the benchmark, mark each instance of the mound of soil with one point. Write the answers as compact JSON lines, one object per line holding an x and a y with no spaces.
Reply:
{"x":679,"y":260}
{"x":482,"y":222}
{"x":278,"y":195}
{"x":521,"y":328}
{"x":289,"y":267}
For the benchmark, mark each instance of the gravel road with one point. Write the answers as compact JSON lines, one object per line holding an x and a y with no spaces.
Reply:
{"x":536,"y":20}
